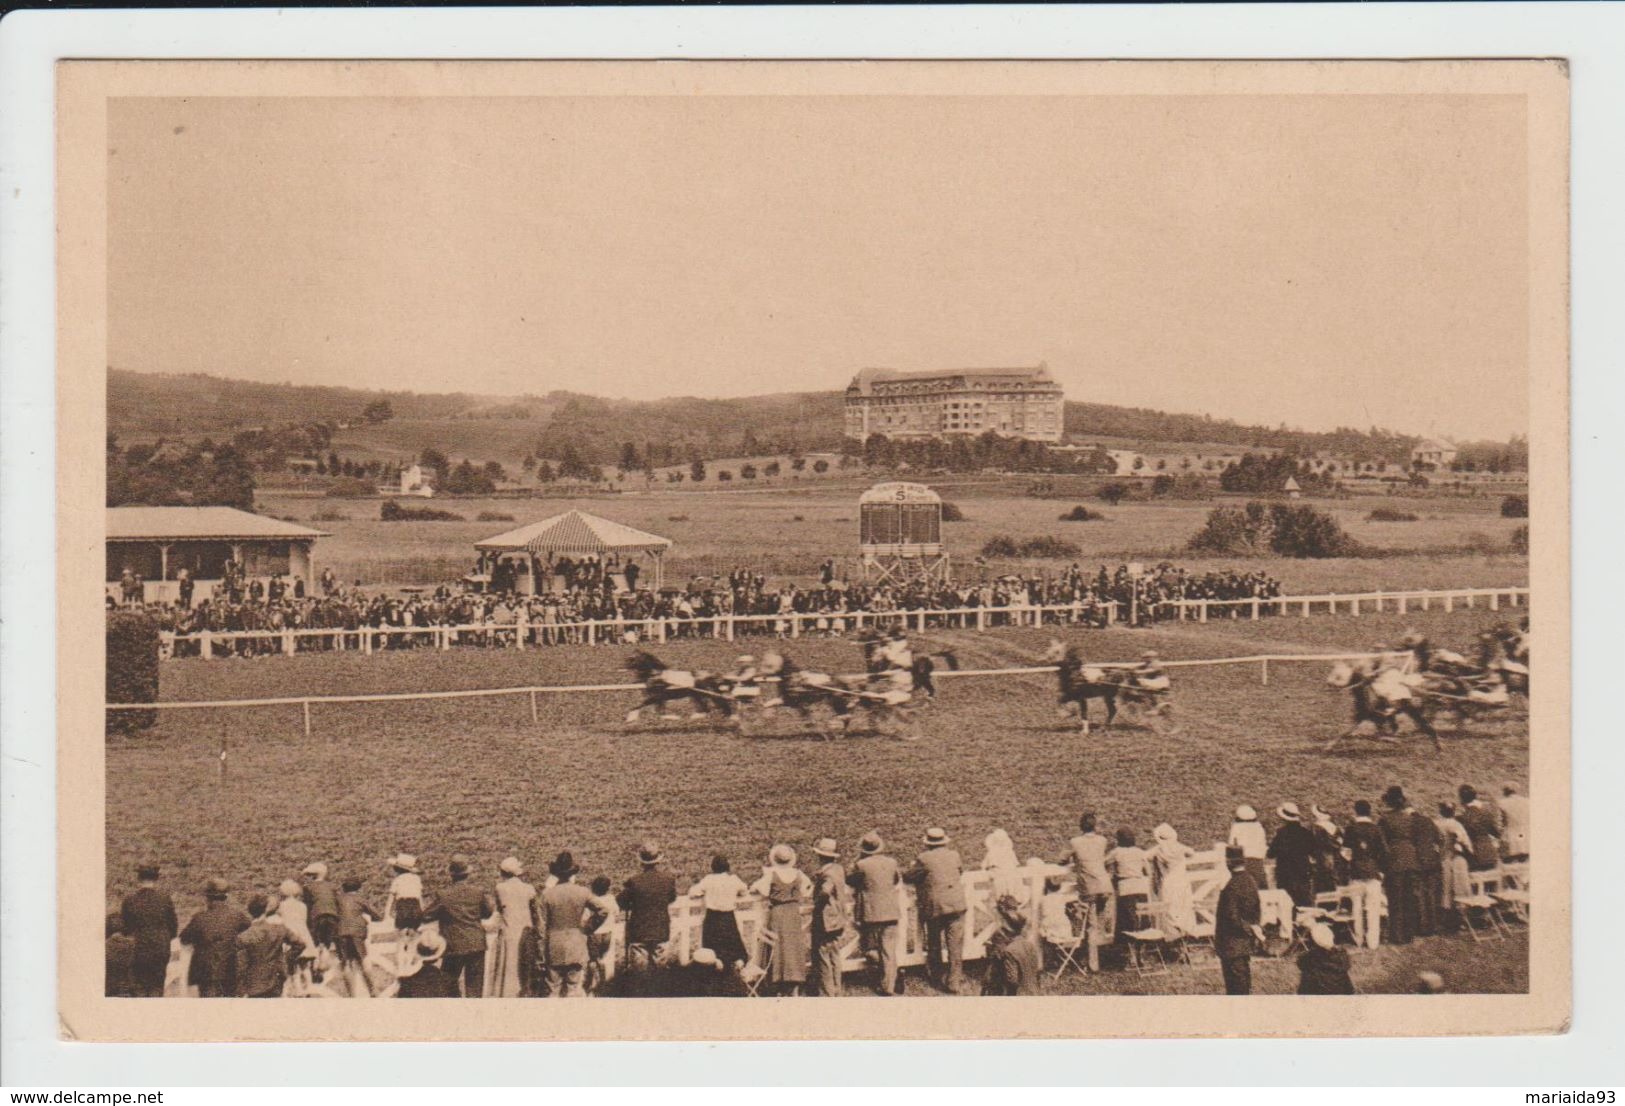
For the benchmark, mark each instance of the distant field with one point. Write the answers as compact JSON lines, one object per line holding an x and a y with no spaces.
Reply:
{"x":787,"y":533}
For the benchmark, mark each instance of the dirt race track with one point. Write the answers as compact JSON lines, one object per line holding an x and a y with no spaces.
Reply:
{"x":476,"y":776}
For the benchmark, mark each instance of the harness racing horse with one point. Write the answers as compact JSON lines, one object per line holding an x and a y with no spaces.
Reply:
{"x":882,"y":699}
{"x":664,"y":686}
{"x":1379,"y":698}
{"x":881,"y":652}
{"x":1080,"y":683}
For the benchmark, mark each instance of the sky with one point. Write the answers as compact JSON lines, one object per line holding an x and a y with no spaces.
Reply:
{"x":1313,"y":261}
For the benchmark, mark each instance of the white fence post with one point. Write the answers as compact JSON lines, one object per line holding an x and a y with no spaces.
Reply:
{"x":1266,"y":672}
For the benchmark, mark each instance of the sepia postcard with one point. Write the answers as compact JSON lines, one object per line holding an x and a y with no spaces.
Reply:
{"x":890,"y":549}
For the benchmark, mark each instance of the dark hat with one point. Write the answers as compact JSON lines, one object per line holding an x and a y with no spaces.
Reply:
{"x":649,"y":853}
{"x":935,"y":836}
{"x":258,"y":903}
{"x":459,"y":865}
{"x":871,"y":843}
{"x":564,"y":865}
{"x":1395,"y":797}
{"x":147,"y":871}
{"x":1234,"y":857}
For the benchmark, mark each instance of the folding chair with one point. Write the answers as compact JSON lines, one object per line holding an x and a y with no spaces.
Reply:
{"x":1069,"y":950}
{"x":1147,"y":940}
{"x":1336,"y":908}
{"x":758,"y":969}
{"x":1512,"y":902}
{"x":1491,"y":927}
{"x":1200,"y":939}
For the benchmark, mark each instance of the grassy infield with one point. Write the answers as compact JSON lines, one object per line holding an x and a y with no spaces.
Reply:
{"x":477,"y":776}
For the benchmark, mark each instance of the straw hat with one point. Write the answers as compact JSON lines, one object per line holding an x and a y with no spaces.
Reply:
{"x":825,"y":847}
{"x":316,"y":868}
{"x":289,"y":888}
{"x":936,"y":835}
{"x":1289,"y":812}
{"x":510,"y":866}
{"x":744,"y":658}
{"x":1165,"y":833}
{"x":782,"y":855}
{"x":406,"y":862}
{"x":1322,"y":935}
{"x":649,"y":853}
{"x":871,"y":844}
{"x":216,"y":888}
{"x":706,"y":958}
{"x":1245,"y":813}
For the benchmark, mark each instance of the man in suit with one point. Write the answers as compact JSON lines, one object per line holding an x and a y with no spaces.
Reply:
{"x":1367,"y":856}
{"x":212,"y":933}
{"x":1483,"y":829}
{"x":830,"y":918}
{"x":567,"y":918}
{"x":877,"y":884}
{"x":1430,"y":846}
{"x":1401,"y":874}
{"x":148,"y":918}
{"x":1236,"y":930}
{"x":461,"y":909}
{"x":262,"y":962}
{"x":647,"y":899}
{"x":1293,"y":850}
{"x":938,"y":876}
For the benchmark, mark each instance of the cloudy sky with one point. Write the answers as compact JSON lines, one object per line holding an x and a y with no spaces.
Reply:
{"x":1309,"y":260}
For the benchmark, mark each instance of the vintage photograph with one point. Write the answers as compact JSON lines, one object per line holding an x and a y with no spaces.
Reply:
{"x":804,"y":533}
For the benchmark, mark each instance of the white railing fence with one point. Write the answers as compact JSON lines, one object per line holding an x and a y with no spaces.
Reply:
{"x":524,"y":634}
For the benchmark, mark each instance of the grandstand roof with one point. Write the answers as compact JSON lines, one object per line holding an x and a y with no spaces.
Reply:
{"x":575,"y":532}
{"x":199,"y":524}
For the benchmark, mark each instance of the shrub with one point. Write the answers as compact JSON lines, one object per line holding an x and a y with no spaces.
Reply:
{"x":132,"y":669}
{"x":820,"y":466}
{"x":1080,"y":513}
{"x":1520,"y":539}
{"x":951,"y":512}
{"x":348,"y":487}
{"x":329,"y":515}
{"x":1515,"y":506}
{"x":1279,"y":528}
{"x":1004,"y":546}
{"x":1162,"y":484}
{"x":1390,"y":514}
{"x":1113,"y":493}
{"x":493,"y":516}
{"x":676,"y":518}
{"x":798,"y":518}
{"x":394,"y":512}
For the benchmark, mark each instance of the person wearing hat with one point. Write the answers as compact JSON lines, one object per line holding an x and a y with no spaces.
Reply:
{"x":785,"y":887}
{"x":1248,"y":835}
{"x":1323,"y":968}
{"x":423,"y":977}
{"x":405,"y":907}
{"x":647,"y":899}
{"x":321,"y":896}
{"x":1015,"y":962}
{"x":292,"y":912}
{"x":261,"y":952}
{"x":1399,"y":875}
{"x":1430,"y":845}
{"x":1171,"y":881}
{"x":938,"y":876}
{"x":516,"y":907}
{"x":877,"y":883}
{"x":1088,"y":860}
{"x":566,"y":919}
{"x":147,"y":917}
{"x":1483,"y":826}
{"x":831,"y":917}
{"x":462,"y":911}
{"x":1293,"y":850}
{"x":1367,"y":854}
{"x":1330,"y":871}
{"x":212,"y":934}
{"x":1237,"y":931}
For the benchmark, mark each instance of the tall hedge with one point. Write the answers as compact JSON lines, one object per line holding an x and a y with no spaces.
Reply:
{"x":1283,"y":529}
{"x":132,"y":669}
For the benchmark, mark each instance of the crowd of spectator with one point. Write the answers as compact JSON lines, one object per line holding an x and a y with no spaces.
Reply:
{"x":1402,"y":874}
{"x":607,"y":596}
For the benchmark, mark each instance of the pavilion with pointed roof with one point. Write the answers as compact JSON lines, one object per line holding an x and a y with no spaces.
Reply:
{"x":575,"y":534}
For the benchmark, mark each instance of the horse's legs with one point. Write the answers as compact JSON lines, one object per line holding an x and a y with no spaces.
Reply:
{"x":1111,"y":708}
{"x":1419,"y":720}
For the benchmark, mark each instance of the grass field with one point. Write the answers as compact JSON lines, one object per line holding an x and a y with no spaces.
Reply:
{"x":477,"y":776}
{"x":788,"y":532}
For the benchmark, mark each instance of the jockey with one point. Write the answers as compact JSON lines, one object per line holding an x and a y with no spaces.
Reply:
{"x":1149,"y":673}
{"x":742,"y":680}
{"x":895,"y":652}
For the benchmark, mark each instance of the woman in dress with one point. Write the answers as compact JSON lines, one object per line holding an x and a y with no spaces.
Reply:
{"x":516,"y":907}
{"x":1172,"y":881}
{"x":785,"y":887}
{"x":999,"y":861}
{"x":721,"y":891}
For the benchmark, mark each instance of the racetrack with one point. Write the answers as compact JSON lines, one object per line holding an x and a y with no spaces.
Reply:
{"x":476,"y":776}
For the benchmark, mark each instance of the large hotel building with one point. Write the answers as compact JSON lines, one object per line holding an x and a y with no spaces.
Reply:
{"x":1017,"y":403}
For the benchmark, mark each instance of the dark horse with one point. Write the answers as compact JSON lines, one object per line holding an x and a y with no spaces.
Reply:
{"x":1079,"y":683}
{"x":663,"y":686}
{"x":920,"y":668}
{"x":878,"y":698}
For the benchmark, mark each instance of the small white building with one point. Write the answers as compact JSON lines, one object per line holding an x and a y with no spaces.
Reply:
{"x":1435,"y":453}
{"x":413,"y":482}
